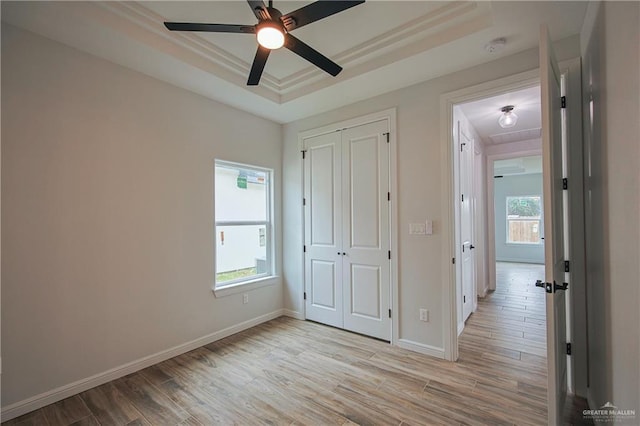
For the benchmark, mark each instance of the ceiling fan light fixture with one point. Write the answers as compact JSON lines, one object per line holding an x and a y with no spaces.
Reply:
{"x":273,"y":31}
{"x":270,"y":35}
{"x":508,"y":118}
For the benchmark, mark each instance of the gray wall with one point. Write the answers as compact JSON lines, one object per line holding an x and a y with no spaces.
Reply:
{"x":420,"y":260}
{"x":107,"y":215}
{"x":508,"y":186}
{"x":611,"y":107}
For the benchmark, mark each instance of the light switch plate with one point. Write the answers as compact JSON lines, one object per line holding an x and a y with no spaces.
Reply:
{"x":417,"y":229}
{"x":429,"y":227}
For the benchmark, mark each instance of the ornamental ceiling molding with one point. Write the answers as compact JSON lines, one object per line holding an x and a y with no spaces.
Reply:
{"x":435,"y":28}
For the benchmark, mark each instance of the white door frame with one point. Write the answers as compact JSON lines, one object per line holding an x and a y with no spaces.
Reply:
{"x":571,"y":68}
{"x":447,"y":151}
{"x":389,"y":114}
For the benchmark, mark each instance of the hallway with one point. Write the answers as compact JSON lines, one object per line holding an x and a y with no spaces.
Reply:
{"x":506,"y":339}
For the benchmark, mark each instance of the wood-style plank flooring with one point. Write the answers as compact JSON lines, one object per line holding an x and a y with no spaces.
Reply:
{"x":296,"y":372}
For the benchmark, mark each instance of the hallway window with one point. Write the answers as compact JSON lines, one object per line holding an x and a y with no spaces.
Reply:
{"x":524,"y":219}
{"x":243,"y":223}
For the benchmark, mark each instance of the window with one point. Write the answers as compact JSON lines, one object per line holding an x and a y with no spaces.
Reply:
{"x":524,"y":220}
{"x":243,"y":223}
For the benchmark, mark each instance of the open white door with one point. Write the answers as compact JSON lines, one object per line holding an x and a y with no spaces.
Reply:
{"x":468,"y":267}
{"x":552,"y":161}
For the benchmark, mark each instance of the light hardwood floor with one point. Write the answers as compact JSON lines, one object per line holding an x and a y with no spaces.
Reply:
{"x":295,"y":372}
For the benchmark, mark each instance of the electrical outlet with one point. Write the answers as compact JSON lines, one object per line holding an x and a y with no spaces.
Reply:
{"x":424,"y":315}
{"x":245,"y":298}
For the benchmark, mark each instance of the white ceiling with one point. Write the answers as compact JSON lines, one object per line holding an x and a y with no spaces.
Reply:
{"x":484,"y":114}
{"x":518,"y":166}
{"x":382,"y":45}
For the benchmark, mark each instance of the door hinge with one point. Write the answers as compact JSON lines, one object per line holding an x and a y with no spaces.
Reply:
{"x":305,"y":295}
{"x":389,"y":313}
{"x":388,"y":196}
{"x":567,"y":266}
{"x":387,"y":135}
{"x":304,"y":201}
{"x":303,"y":153}
{"x":453,"y":260}
{"x":565,"y":183}
{"x":304,"y":249}
{"x":462,"y":198}
{"x":389,"y":253}
{"x":464,"y":299}
{"x":568,"y":348}
{"x":563,"y":101}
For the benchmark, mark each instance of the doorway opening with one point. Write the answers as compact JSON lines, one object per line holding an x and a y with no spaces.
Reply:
{"x":499,"y":239}
{"x":498,"y":189}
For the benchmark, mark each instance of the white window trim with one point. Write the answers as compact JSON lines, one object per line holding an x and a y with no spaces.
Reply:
{"x":256,"y":281}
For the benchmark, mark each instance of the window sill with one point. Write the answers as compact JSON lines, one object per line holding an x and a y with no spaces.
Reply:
{"x":245,"y":286}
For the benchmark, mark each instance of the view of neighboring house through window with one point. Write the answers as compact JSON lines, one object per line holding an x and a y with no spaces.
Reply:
{"x":243,"y":223}
{"x":524,"y":219}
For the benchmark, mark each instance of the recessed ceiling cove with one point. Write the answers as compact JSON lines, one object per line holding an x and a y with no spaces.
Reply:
{"x":358,"y":39}
{"x":381,"y":45}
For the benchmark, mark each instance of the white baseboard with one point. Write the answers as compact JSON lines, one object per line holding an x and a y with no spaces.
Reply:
{"x":484,"y":292}
{"x":30,"y":404}
{"x":293,"y":314}
{"x":593,"y":406}
{"x":421,"y":348}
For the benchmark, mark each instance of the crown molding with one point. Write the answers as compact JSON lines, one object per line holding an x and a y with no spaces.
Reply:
{"x":399,"y":37}
{"x":437,"y":27}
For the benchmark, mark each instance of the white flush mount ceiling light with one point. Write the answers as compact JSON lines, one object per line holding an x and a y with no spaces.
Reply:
{"x":270,"y":35}
{"x":508,"y":118}
{"x":495,"y":45}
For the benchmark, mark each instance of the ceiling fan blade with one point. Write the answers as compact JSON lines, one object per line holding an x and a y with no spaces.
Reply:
{"x":258,"y":66}
{"x":311,"y":55}
{"x":259,"y":9}
{"x":210,"y":28}
{"x":315,"y":11}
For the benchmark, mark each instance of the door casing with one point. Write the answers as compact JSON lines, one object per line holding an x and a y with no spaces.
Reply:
{"x":572,"y":69}
{"x":449,"y":200}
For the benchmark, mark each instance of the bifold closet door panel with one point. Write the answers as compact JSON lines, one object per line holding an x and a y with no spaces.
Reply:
{"x":366,"y":233}
{"x":323,"y":229}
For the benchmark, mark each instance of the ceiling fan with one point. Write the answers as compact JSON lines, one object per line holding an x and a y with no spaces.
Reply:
{"x":273,"y":32}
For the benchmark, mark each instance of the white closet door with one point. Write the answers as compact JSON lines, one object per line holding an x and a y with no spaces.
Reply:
{"x":365,"y":219}
{"x":323,"y":229}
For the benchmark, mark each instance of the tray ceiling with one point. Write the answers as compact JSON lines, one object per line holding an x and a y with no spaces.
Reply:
{"x":382,"y":45}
